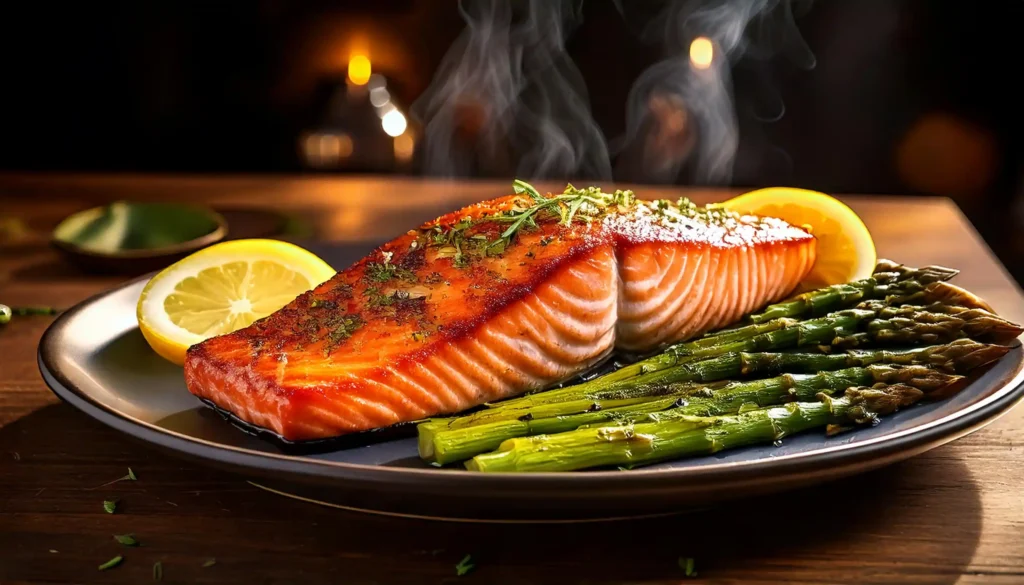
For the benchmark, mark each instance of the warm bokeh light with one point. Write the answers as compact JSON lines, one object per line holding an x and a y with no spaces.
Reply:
{"x":404,"y":147}
{"x":393,"y":123}
{"x":359,"y":69}
{"x":323,"y":150}
{"x":702,"y":52}
{"x":945,"y":154}
{"x":379,"y":97}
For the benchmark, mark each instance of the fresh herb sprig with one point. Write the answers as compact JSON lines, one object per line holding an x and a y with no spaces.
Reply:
{"x":573,"y":202}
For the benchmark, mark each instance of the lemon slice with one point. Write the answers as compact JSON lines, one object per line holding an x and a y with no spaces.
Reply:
{"x":221,"y":289}
{"x":845,"y":250}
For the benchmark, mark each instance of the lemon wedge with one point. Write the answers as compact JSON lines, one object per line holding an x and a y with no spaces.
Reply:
{"x":221,"y":289}
{"x":845,"y":250}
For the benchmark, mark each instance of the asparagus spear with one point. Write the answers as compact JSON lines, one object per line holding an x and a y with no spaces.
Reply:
{"x":913,"y":324}
{"x":948,"y":294}
{"x":888,"y":280}
{"x":688,"y":436}
{"x":934,"y":327}
{"x":903,"y":272}
{"x":448,"y":446}
{"x":915,"y":327}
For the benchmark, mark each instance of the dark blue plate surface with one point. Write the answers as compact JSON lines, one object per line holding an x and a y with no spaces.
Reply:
{"x":94,"y":358}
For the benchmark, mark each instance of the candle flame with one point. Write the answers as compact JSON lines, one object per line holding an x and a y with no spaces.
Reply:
{"x":359,"y":69}
{"x":702,"y":52}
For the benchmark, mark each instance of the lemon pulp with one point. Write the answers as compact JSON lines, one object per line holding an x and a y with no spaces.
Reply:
{"x":221,"y":289}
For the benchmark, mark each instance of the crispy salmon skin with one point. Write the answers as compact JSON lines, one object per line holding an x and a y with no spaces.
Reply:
{"x":499,"y":298}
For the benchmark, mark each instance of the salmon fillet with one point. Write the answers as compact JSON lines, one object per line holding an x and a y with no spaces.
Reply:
{"x":499,"y":298}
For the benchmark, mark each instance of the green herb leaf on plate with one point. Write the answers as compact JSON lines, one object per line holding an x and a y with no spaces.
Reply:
{"x":126,"y":539}
{"x":465,"y":565}
{"x":158,"y":571}
{"x":687,"y":565}
{"x":111,"y":563}
{"x":110,"y":506}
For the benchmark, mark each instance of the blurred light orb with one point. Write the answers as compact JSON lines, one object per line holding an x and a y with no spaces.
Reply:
{"x":379,"y":97}
{"x":359,"y":69}
{"x":944,"y":154}
{"x":702,"y":52}
{"x":393,"y":123}
{"x":323,"y":150}
{"x":404,"y":147}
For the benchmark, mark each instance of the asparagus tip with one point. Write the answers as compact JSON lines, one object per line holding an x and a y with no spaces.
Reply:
{"x":915,"y":376}
{"x":868,"y":403}
{"x":982,"y":323}
{"x":964,"y":355}
{"x":951,"y":294}
{"x":923,"y":275}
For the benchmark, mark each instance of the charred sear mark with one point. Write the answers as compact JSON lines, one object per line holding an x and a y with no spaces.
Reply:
{"x":342,"y":291}
{"x":413,"y":260}
{"x":496,"y":277}
{"x":435,"y":278}
{"x":323,"y":304}
{"x":256,"y":345}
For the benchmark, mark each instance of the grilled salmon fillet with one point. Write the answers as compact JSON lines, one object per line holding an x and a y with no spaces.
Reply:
{"x":499,"y":298}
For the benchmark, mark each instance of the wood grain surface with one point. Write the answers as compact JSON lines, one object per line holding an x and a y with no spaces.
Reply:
{"x":952,"y":515}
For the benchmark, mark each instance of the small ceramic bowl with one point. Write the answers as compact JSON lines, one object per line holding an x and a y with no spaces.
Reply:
{"x":135,"y":237}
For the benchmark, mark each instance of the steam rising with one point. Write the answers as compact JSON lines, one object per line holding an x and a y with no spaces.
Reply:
{"x":507,"y":99}
{"x":680,"y":116}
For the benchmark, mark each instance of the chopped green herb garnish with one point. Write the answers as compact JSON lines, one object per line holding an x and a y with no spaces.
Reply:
{"x":385,"y":271}
{"x":465,"y":565}
{"x":340,"y":330}
{"x":130,"y":476}
{"x":111,"y":563}
{"x":126,"y":539}
{"x":158,"y":571}
{"x":110,"y":506}
{"x":687,"y":565}
{"x":209,"y":563}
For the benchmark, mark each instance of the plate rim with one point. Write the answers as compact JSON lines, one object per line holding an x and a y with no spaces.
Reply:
{"x":914,"y":439}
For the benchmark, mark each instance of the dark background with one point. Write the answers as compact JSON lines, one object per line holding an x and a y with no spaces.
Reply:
{"x":907,"y":97}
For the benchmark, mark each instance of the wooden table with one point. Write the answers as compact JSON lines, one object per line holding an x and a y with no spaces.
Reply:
{"x":955,"y":514}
